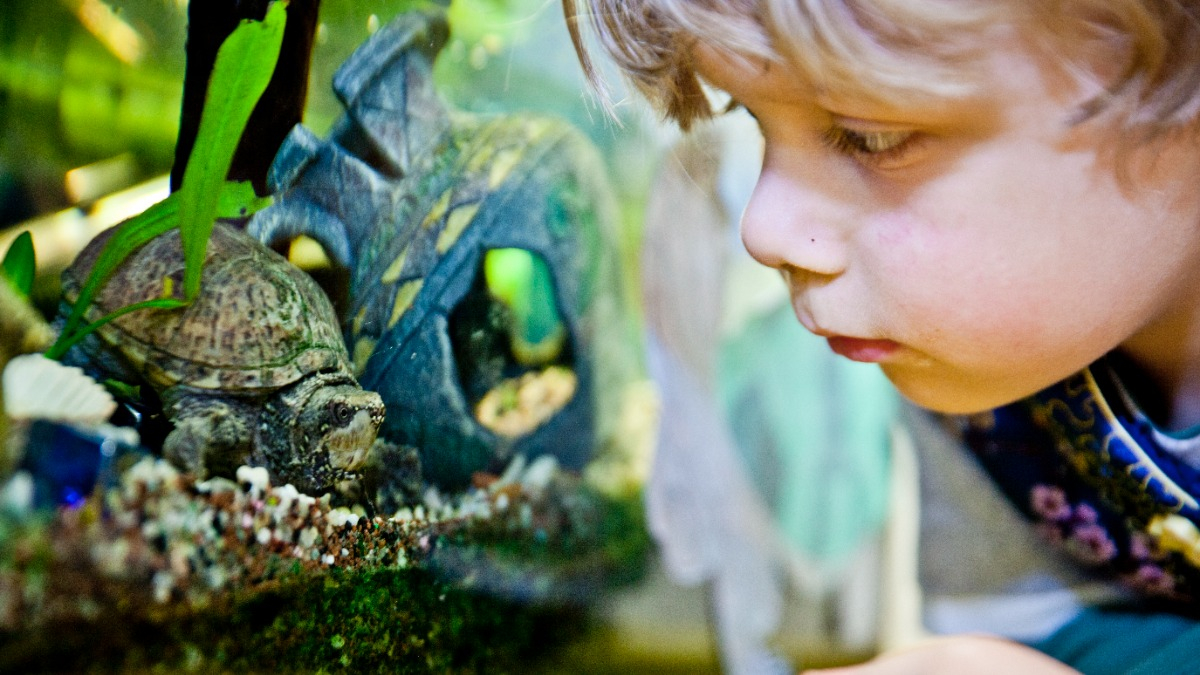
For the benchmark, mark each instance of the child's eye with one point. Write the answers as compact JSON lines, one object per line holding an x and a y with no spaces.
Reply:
{"x":870,"y":146}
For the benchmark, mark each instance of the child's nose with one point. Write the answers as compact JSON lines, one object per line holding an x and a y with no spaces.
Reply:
{"x":787,"y":226}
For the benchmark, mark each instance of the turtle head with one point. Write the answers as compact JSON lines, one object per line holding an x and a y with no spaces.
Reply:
{"x":340,"y":421}
{"x":330,"y":424}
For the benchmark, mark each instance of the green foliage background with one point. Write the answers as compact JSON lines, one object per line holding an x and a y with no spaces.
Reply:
{"x":67,"y":99}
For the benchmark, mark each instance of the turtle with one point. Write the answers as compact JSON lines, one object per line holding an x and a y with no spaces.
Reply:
{"x":253,"y":371}
{"x":414,"y":199}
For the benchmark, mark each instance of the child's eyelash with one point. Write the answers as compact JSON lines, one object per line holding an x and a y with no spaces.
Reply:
{"x":875,"y":146}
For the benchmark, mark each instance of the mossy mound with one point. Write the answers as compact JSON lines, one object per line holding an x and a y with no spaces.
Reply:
{"x":375,"y":621}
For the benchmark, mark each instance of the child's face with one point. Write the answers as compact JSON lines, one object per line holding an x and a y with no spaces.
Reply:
{"x":979,"y":249}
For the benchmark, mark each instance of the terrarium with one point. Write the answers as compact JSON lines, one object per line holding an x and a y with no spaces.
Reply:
{"x":360,"y":390}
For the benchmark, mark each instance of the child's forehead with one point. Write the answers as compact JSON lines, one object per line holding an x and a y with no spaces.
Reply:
{"x":1006,"y":71}
{"x":764,"y":81}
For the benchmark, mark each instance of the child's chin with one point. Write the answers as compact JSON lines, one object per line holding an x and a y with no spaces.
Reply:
{"x":946,"y":398}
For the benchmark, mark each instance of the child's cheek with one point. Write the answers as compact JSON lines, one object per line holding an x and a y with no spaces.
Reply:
{"x":919,"y":258}
{"x":949,"y":280}
{"x":897,"y":231}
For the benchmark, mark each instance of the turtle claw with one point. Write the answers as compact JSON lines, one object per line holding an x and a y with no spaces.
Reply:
{"x":211,"y":440}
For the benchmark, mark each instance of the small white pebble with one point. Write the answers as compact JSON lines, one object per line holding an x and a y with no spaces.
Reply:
{"x":126,"y":520}
{"x":143,"y":473}
{"x":433,"y":499}
{"x":539,"y":473}
{"x":216,"y":485}
{"x":151,"y":529}
{"x":162,"y":583}
{"x":345,"y":553}
{"x":341,"y":516}
{"x":216,"y":577}
{"x":127,"y":436}
{"x":511,"y":473}
{"x":308,"y":536}
{"x":263,"y":536}
{"x":17,"y":494}
{"x":178,"y":560}
{"x":111,"y":558}
{"x":286,"y":494}
{"x":173,"y":520}
{"x":256,"y":476}
{"x":205,"y":522}
{"x":165,"y":471}
{"x":502,"y":502}
{"x":327,"y":559}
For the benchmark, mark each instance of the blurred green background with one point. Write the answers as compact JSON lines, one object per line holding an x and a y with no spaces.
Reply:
{"x":90,"y":89}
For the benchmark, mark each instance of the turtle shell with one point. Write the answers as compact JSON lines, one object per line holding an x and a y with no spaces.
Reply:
{"x":259,"y":323}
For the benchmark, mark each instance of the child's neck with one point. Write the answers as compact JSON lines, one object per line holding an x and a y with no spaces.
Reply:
{"x":1185,"y":412}
{"x":1167,"y":381}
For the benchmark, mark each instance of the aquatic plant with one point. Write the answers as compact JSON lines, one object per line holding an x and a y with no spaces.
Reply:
{"x":242,"y":70}
{"x":20,"y":264}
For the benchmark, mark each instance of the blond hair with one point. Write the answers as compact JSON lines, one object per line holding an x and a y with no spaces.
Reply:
{"x":892,"y":49}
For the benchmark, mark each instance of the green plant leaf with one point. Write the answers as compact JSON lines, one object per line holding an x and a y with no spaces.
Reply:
{"x":123,"y":389}
{"x":243,"y":68}
{"x":233,"y":199}
{"x":20,"y":264}
{"x":127,"y":238}
{"x":244,"y":65}
{"x":156,"y":303}
{"x":238,"y":200}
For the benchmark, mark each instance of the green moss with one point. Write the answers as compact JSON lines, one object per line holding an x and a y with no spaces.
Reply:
{"x":393,"y":621}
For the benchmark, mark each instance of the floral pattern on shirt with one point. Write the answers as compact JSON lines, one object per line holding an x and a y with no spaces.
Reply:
{"x":1063,"y":457}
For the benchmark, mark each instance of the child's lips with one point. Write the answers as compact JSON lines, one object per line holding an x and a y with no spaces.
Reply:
{"x":861,"y":349}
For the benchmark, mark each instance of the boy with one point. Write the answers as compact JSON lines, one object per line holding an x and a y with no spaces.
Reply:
{"x":995,"y":201}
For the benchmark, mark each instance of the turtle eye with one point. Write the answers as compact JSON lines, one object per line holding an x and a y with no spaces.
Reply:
{"x":341,"y":413}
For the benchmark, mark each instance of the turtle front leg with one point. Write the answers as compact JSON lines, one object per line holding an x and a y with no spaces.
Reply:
{"x":212,"y":437}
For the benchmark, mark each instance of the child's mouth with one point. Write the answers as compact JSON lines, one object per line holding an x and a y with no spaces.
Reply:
{"x":862,"y":350}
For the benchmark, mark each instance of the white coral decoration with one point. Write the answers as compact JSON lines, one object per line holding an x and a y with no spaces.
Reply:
{"x":36,"y":387}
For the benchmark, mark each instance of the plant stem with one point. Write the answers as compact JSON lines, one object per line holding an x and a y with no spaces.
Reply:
{"x":281,"y":106}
